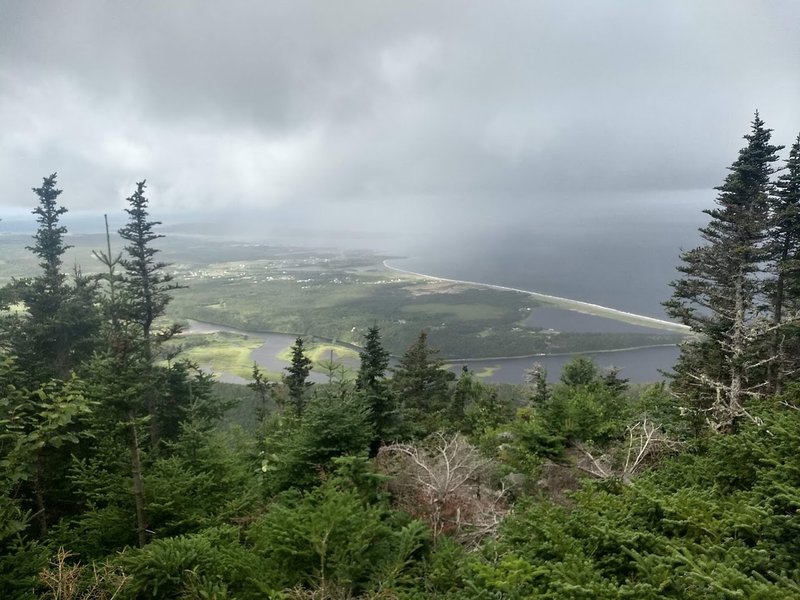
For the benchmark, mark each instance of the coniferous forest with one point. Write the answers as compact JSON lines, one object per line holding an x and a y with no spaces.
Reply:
{"x":126,"y":472}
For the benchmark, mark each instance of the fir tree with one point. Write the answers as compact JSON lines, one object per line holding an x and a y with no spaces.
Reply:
{"x":371,"y":382}
{"x":145,"y":291}
{"x":296,"y":378}
{"x":50,"y":246}
{"x":720,"y":293}
{"x":421,"y":384}
{"x":147,"y":288}
{"x":58,"y":330}
{"x":466,"y":391}
{"x":374,"y":361}
{"x":784,"y":257}
{"x":536,"y":377}
{"x":263,"y":389}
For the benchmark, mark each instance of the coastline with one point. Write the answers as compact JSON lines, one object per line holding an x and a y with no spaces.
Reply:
{"x":558,"y":354}
{"x":563,"y":303}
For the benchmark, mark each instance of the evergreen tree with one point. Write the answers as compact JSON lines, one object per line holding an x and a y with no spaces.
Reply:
{"x":296,"y":378}
{"x":374,"y":361}
{"x":50,"y":246}
{"x":371,"y":382}
{"x":58,"y":330}
{"x":263,"y":389}
{"x":145,"y":292}
{"x":536,"y":377}
{"x":613,"y":381}
{"x":465,"y":392}
{"x":146,"y":287}
{"x":421,"y":384}
{"x":721,"y":291}
{"x":579,"y":371}
{"x":784,"y":257}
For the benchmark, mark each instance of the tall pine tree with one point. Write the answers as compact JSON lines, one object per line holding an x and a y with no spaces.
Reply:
{"x":145,"y":292}
{"x":296,"y":378}
{"x":784,"y":257}
{"x":371,"y":382}
{"x":145,"y":284}
{"x":422,"y":385}
{"x":60,"y":321}
{"x":720,"y":295}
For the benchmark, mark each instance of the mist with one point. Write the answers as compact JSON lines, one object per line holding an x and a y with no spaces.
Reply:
{"x":570,"y":148}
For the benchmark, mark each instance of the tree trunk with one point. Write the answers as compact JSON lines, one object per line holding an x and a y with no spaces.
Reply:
{"x":138,"y":482}
{"x":734,"y":405}
{"x":38,"y":484}
{"x":150,"y":399}
{"x":775,"y":371}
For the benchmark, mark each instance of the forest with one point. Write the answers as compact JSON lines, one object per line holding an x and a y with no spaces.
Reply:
{"x":127,"y":472}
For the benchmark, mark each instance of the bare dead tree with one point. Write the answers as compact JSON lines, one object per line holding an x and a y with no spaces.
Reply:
{"x":646,"y":443}
{"x":442,"y":484}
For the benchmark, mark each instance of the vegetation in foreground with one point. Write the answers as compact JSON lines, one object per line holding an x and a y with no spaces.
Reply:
{"x":124,"y":476}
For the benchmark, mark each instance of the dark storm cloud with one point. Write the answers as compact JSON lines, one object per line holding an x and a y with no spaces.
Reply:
{"x":379,"y":105}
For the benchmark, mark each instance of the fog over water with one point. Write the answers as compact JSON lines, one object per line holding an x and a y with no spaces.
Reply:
{"x":616,"y":250}
{"x":623,"y":259}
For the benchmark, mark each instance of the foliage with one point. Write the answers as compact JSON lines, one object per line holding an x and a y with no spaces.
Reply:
{"x":297,"y":453}
{"x":371,"y":382}
{"x":212,"y":561}
{"x":56,"y":330}
{"x":703,"y":525}
{"x":721,"y":292}
{"x":207,"y":480}
{"x":421,"y":385}
{"x":331,"y":540}
{"x":296,"y":377}
{"x":586,"y":406}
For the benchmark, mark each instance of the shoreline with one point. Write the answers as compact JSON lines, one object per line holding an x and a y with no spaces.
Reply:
{"x":217,"y":327}
{"x":559,"y":354}
{"x":579,"y":306}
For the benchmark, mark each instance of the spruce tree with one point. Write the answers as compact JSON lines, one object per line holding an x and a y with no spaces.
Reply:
{"x":466,"y":391}
{"x":784,"y":257}
{"x":371,"y":383}
{"x":536,"y":378}
{"x":720,"y":295}
{"x":145,"y":292}
{"x":374,"y":361}
{"x":58,"y":330}
{"x":146,"y":287}
{"x":296,"y":378}
{"x":421,"y":384}
{"x":50,"y":246}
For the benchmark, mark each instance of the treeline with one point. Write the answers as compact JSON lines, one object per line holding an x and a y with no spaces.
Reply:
{"x":121,"y":475}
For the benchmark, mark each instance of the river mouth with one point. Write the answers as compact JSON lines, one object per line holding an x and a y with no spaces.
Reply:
{"x":639,"y":365}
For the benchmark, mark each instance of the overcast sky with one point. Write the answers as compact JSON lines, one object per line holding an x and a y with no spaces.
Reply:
{"x":344,"y":110}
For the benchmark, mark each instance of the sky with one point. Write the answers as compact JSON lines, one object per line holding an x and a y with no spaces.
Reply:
{"x":395,"y":115}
